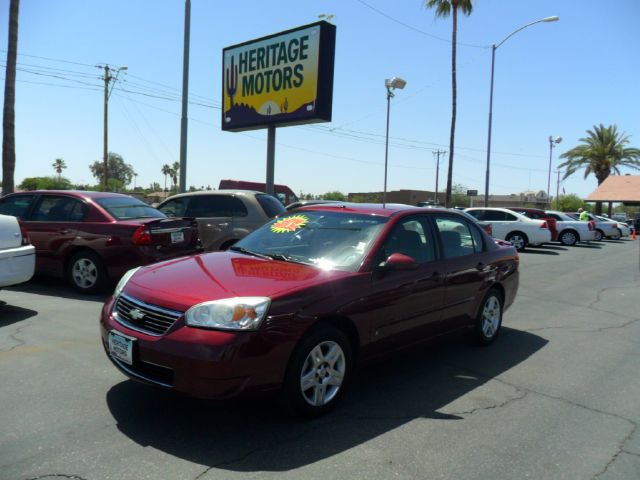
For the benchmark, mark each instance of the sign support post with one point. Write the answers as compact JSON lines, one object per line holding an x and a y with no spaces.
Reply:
{"x":271,"y":158}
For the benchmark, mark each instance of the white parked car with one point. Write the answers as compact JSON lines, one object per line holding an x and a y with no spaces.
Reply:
{"x":17,"y":255}
{"x":513,"y":227}
{"x":622,"y":228}
{"x":603,"y":229}
{"x":571,"y":231}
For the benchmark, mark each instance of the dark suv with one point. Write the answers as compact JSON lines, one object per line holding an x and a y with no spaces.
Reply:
{"x":224,"y":216}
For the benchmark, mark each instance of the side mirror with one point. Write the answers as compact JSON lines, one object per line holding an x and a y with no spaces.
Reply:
{"x":399,"y":261}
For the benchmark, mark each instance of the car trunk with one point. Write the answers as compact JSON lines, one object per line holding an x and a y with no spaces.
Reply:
{"x":166,"y":234}
{"x":10,"y":236}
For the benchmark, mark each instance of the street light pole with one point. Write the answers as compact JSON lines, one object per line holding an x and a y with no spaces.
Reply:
{"x":494,"y":47}
{"x":391,"y":84}
{"x":552,"y":143}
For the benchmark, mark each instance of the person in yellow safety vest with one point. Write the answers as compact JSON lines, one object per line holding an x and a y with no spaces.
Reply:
{"x":584,"y":215}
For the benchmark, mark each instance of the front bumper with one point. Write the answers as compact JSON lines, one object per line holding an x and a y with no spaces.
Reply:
{"x":202,"y":363}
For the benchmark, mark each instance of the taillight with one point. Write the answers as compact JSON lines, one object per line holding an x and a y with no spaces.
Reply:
{"x":26,"y":240}
{"x":142,"y":236}
{"x":488,"y":229}
{"x":544,"y":225}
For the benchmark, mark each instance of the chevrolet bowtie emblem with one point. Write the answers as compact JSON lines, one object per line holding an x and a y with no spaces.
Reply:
{"x":136,"y":314}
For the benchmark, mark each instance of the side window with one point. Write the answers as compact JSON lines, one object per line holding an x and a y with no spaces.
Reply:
{"x":553,"y":215}
{"x":510,"y":218}
{"x":175,"y":208}
{"x":476,"y":214}
{"x":478,"y":240}
{"x":59,"y":209}
{"x":16,"y":205}
{"x":493,"y":216}
{"x":455,"y":234}
{"x":410,"y":238}
{"x":204,"y":206}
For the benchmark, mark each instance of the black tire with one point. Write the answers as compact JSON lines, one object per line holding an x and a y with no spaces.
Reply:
{"x":86,"y":273}
{"x":489,"y":318}
{"x":318,"y":398}
{"x":518,"y":239}
{"x":599,"y":235}
{"x":568,"y":238}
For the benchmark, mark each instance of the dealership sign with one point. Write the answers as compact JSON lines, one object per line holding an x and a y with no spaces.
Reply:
{"x":283,"y":79}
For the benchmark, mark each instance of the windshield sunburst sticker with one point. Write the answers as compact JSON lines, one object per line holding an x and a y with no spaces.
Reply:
{"x":289,"y":224}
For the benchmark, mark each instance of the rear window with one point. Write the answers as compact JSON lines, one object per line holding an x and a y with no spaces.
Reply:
{"x":126,"y":208}
{"x":16,"y":205}
{"x":270,"y":205}
{"x":208,"y":206}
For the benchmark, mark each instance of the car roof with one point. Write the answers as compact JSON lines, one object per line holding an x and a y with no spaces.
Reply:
{"x":77,"y":193}
{"x":388,"y":210}
{"x":231,"y":191}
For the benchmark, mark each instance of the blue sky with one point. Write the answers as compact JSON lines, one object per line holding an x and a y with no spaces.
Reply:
{"x":551,"y":79}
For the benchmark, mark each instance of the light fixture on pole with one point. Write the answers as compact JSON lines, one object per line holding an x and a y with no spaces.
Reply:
{"x":494,"y":47}
{"x":391,"y":84}
{"x":552,"y":143}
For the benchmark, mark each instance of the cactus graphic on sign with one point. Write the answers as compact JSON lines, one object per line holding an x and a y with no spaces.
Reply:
{"x":232,"y":80}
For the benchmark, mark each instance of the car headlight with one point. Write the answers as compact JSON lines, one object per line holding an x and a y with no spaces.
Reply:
{"x":123,"y":281}
{"x":240,"y":313}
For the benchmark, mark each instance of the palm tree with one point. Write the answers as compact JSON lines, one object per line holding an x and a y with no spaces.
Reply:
{"x":175,"y":173}
{"x":443,"y":9}
{"x":9,"y":114}
{"x":602,"y":151}
{"x":166,"y":170}
{"x":58,"y":166}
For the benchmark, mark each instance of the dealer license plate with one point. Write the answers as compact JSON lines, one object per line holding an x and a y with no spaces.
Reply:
{"x":121,"y":347}
{"x":177,"y":237}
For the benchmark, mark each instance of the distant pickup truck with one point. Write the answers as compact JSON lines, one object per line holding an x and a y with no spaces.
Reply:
{"x":281,"y":192}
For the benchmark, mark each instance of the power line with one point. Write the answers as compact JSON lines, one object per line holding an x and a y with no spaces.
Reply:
{"x":417,"y":30}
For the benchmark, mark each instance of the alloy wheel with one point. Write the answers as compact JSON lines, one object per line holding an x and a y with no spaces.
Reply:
{"x":323,"y":373}
{"x":491,"y":317}
{"x":84,"y":273}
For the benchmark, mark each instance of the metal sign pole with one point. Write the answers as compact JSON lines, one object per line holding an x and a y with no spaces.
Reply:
{"x":271,"y":149}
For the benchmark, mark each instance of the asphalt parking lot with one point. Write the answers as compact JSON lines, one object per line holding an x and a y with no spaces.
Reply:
{"x":557,"y":396}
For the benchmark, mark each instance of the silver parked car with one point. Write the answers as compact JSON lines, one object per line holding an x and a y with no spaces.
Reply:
{"x":224,"y":216}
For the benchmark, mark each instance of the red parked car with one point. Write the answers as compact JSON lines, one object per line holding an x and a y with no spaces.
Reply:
{"x":294,"y":305}
{"x":537,"y":214}
{"x":92,"y":238}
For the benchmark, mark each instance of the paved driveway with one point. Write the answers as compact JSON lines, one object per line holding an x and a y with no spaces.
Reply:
{"x":557,"y":396}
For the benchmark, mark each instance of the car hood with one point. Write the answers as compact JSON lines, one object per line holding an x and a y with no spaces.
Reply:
{"x":183,"y":282}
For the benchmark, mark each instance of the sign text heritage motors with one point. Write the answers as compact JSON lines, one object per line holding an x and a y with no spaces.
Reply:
{"x":282,"y":79}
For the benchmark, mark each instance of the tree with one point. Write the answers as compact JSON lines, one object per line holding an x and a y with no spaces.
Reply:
{"x":602,"y":151}
{"x":166,"y":170}
{"x":46,"y":183}
{"x":335,"y":195}
{"x":118,"y":170}
{"x":9,"y":113}
{"x":58,"y":166}
{"x":174,"y":174}
{"x":567,"y":203}
{"x":459,"y":196}
{"x":444,"y":8}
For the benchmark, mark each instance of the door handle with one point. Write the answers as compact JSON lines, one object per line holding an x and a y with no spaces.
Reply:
{"x":480,"y":266}
{"x":224,"y":224}
{"x":64,"y":231}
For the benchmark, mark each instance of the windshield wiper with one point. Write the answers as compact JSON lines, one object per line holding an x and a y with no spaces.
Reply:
{"x":249,"y":252}
{"x":286,"y":258}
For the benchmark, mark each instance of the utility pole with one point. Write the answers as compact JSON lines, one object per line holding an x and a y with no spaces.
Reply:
{"x":185,"y":97}
{"x":107,"y":93}
{"x":437,"y":153}
{"x":557,"y":189}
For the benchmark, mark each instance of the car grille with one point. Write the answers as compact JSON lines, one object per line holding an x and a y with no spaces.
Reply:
{"x":145,"y":318}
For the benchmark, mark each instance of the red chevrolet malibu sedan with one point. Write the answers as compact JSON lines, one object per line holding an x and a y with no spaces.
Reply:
{"x":296,"y":304}
{"x":93,"y":238}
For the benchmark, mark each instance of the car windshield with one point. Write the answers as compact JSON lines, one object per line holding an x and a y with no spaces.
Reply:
{"x":328,"y":240}
{"x":126,"y":208}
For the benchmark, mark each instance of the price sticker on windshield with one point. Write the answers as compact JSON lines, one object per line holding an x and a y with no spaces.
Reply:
{"x":289,"y":224}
